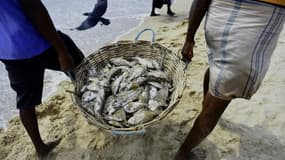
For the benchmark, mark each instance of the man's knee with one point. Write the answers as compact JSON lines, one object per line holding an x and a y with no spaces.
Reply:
{"x":213,"y":109}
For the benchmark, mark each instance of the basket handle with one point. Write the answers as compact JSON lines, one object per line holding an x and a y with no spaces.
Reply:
{"x":138,"y":132}
{"x":146,"y":29}
{"x":185,"y":62}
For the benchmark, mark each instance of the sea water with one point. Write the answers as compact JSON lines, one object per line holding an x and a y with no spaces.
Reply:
{"x":67,"y":14}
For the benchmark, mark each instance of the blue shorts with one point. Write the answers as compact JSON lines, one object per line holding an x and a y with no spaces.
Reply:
{"x":27,"y":76}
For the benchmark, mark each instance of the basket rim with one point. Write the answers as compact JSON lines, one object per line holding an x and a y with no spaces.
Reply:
{"x":119,"y":43}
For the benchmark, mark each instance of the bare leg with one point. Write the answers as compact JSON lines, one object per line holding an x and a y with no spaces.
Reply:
{"x":153,"y":9}
{"x":30,"y":122}
{"x":212,"y":110}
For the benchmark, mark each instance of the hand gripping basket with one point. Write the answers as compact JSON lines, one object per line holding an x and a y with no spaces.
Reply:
{"x":171,"y":63}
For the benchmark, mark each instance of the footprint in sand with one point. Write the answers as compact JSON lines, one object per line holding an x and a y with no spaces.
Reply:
{"x":192,"y":93}
{"x":184,"y":33}
{"x":174,"y":44}
{"x":164,"y":29}
{"x":182,"y":24}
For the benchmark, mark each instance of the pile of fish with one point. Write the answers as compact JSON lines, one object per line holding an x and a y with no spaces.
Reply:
{"x":126,"y":92}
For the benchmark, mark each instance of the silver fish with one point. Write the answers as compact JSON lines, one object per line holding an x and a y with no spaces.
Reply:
{"x":105,"y":80}
{"x":142,"y":116}
{"x":144,"y":97}
{"x":116,"y":84}
{"x":162,"y":95}
{"x":156,"y":64}
{"x":124,"y":81}
{"x":101,"y":94}
{"x":154,"y":105}
{"x":93,"y":81}
{"x":160,"y":100}
{"x":155,"y":84}
{"x":136,"y":83}
{"x":93,"y":86}
{"x":97,"y":108}
{"x":124,"y":98}
{"x":83,"y":89}
{"x":152,"y":92}
{"x":137,"y":71}
{"x":115,"y":124}
{"x":120,"y":61}
{"x":88,"y":96}
{"x":88,"y":108}
{"x":119,"y":115}
{"x":144,"y":62}
{"x":115,"y":72}
{"x":94,"y":105}
{"x":115,"y":104}
{"x":105,"y":83}
{"x":105,"y":70}
{"x":124,"y":68}
{"x":156,"y":75}
{"x":134,"y":106}
{"x":92,"y":72}
{"x":108,"y":107}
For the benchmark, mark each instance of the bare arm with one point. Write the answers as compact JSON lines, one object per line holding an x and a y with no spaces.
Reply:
{"x":38,"y":14}
{"x":197,"y":12}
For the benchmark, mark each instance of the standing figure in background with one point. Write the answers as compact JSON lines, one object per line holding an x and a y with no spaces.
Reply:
{"x":159,"y":4}
{"x":95,"y":16}
{"x":29,"y":44}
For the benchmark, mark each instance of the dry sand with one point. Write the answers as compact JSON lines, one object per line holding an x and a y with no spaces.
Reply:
{"x":249,"y":130}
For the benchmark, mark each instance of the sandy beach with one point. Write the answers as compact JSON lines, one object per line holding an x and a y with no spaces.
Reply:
{"x":248,"y":130}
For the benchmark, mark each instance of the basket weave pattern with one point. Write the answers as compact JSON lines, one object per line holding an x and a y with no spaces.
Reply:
{"x":172,"y":66}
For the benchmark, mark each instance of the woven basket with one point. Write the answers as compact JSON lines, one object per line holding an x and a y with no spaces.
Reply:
{"x":171,"y":63}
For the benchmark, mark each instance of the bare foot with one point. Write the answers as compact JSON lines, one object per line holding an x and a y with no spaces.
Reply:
{"x":47,"y":148}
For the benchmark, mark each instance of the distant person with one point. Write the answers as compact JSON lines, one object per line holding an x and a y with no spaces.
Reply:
{"x":95,"y":16}
{"x":29,"y":44}
{"x":159,"y":4}
{"x":241,"y":36}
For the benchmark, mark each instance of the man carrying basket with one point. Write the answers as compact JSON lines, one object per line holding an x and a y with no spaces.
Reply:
{"x":29,"y":44}
{"x":241,"y":36}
